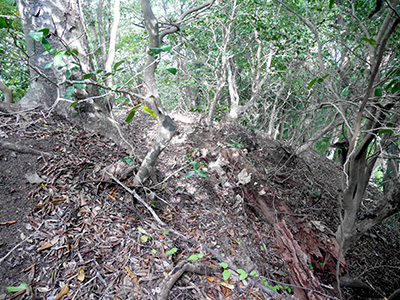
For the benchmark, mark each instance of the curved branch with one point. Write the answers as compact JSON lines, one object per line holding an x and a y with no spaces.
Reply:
{"x":371,"y":83}
{"x":182,"y":18}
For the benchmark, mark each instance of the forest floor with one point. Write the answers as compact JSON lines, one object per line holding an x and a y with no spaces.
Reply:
{"x":71,"y":231}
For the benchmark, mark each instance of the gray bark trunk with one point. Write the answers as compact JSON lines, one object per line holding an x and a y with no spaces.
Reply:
{"x":8,"y":95}
{"x":48,"y":85}
{"x":166,"y":126}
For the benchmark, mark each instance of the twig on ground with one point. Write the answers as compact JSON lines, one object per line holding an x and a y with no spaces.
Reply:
{"x":19,"y":244}
{"x":137,"y":197}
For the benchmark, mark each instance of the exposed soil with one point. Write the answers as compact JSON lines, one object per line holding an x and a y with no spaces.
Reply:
{"x":80,"y":232}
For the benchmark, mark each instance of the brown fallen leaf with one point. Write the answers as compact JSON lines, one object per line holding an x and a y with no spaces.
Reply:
{"x":63,"y":291}
{"x":226,"y":291}
{"x":131,"y":275}
{"x":81,"y":275}
{"x":209,"y":278}
{"x":59,"y":199}
{"x":32,"y":266}
{"x":45,"y":246}
{"x":227,"y":285}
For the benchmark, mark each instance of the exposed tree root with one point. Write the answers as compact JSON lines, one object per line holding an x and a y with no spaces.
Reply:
{"x":177,"y":272}
{"x":21,"y":148}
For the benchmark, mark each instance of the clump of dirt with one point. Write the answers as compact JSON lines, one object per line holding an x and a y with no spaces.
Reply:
{"x":221,"y":197}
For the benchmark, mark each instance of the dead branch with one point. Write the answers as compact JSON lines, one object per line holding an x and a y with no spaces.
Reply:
{"x":137,"y":197}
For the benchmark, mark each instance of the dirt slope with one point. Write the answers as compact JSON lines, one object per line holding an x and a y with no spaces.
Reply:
{"x":89,"y":235}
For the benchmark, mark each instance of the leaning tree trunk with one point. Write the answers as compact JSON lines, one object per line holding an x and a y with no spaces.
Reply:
{"x":49,"y":82}
{"x":166,"y":126}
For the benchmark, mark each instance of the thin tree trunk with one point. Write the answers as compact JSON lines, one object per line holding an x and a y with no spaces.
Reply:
{"x":166,"y":126}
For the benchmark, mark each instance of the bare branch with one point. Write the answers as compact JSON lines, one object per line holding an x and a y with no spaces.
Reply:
{"x":182,"y":18}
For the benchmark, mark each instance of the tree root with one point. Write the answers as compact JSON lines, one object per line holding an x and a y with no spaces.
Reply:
{"x":177,"y":272}
{"x":21,"y":148}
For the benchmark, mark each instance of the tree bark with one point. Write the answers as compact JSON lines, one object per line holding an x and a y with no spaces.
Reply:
{"x":108,"y":57}
{"x":166,"y":126}
{"x":8,"y":95}
{"x":359,"y":165}
{"x":48,"y":85}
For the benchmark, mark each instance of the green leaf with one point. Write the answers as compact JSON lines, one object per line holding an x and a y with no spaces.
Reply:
{"x":243,"y":274}
{"x":193,"y":257}
{"x":201,"y":173}
{"x":371,"y":41}
{"x":345,"y":91}
{"x":74,"y":103}
{"x":396,"y":88}
{"x":172,"y":251}
{"x":80,"y":85}
{"x":223,"y":265}
{"x":144,"y":239}
{"x":74,"y":51}
{"x":149,"y":111}
{"x":226,"y":274}
{"x":69,"y":92}
{"x":154,"y":251}
{"x":325,"y":76}
{"x":142,"y":230}
{"x":44,"y":31}
{"x":116,"y":65}
{"x":132,"y":113}
{"x":172,"y":70}
{"x":36,"y":36}
{"x":190,"y":174}
{"x":195,"y":165}
{"x":3,"y":22}
{"x":166,"y":232}
{"x":14,"y":289}
{"x":166,"y":48}
{"x":114,"y":87}
{"x":49,"y":65}
{"x":46,"y":44}
{"x":331,"y":3}
{"x":153,"y":51}
{"x":87,"y":76}
{"x":312,"y":82}
{"x":254,"y":273}
{"x":129,"y":160}
{"x":58,"y":58}
{"x":378,"y":91}
{"x":386,"y":131}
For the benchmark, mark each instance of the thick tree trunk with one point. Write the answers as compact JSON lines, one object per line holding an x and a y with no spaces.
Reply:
{"x":48,"y":85}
